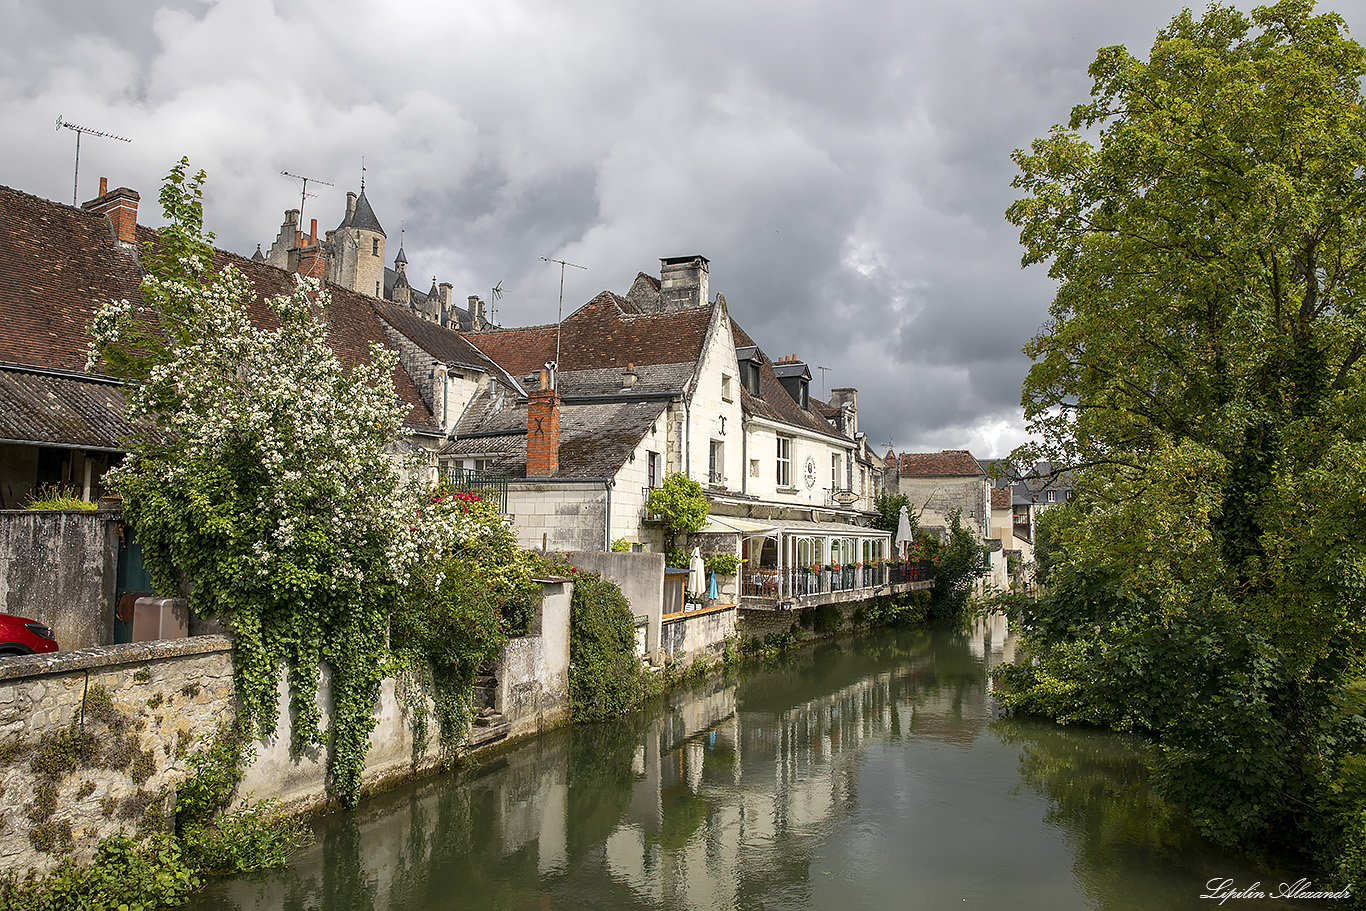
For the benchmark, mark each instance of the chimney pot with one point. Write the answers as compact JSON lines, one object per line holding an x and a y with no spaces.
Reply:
{"x":313,"y":231}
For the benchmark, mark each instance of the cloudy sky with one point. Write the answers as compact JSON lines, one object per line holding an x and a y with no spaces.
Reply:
{"x":844,"y":166}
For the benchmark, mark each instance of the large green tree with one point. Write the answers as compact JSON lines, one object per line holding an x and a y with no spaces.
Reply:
{"x":1204,"y":215}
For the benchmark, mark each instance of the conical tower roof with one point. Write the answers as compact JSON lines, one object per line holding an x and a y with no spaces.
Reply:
{"x":363,"y":218}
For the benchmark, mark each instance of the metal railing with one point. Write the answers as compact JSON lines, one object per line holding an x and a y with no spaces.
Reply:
{"x":645,"y":513}
{"x":488,"y":485}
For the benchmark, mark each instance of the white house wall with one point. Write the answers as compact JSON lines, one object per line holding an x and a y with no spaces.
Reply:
{"x":709,"y":415}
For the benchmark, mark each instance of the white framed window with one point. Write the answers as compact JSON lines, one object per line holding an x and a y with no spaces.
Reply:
{"x":784,"y":472}
{"x":1052,"y":496}
{"x":834,"y":471}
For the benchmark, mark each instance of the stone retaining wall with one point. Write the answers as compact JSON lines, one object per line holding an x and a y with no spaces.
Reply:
{"x":95,"y":741}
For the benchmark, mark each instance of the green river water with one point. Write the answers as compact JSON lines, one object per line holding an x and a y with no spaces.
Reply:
{"x":869,"y":773}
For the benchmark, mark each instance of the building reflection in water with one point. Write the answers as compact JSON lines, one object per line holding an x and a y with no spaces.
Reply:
{"x":720,"y":800}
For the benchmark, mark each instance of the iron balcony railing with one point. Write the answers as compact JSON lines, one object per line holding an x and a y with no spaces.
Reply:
{"x":489,"y":485}
{"x":646,"y":515}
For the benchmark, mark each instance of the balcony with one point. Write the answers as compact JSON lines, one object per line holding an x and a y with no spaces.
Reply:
{"x":796,"y":588}
{"x":645,"y":514}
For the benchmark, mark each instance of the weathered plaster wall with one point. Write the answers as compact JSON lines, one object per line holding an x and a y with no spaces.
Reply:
{"x":937,"y":497}
{"x":59,"y":568}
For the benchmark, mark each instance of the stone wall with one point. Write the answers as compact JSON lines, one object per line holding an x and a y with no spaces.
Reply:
{"x":59,"y":567}
{"x":697,"y":634}
{"x":142,"y":709}
{"x":559,"y":516}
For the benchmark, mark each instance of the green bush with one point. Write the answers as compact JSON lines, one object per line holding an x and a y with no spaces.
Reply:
{"x":723,"y":564}
{"x":604,"y":675}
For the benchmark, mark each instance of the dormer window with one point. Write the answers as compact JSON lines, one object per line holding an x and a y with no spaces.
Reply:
{"x":752,"y":377}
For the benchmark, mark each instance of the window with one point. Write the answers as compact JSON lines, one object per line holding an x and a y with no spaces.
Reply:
{"x":652,"y":467}
{"x":752,"y":376}
{"x":376,"y":289}
{"x":834,"y":471}
{"x":374,"y":246}
{"x":1052,"y":496}
{"x":784,"y":477}
{"x":725,"y":388}
{"x":716,"y":469}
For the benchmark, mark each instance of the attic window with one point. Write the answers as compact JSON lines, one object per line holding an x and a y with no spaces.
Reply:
{"x":752,"y":377}
{"x":802,"y":398}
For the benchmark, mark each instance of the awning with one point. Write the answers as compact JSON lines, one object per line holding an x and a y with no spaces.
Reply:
{"x":732,"y":525}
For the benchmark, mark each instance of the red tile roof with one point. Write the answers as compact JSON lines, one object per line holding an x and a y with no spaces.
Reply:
{"x":605,"y":332}
{"x":1000,"y":497}
{"x":948,"y":463}
{"x":62,"y":263}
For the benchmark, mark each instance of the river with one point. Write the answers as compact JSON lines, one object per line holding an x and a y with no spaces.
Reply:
{"x":868,"y":773}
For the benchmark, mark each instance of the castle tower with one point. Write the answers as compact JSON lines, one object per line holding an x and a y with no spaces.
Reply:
{"x":356,"y":248}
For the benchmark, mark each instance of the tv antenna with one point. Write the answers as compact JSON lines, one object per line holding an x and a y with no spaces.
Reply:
{"x":823,"y":371}
{"x":75,"y":178}
{"x":495,"y":296}
{"x":304,"y":194}
{"x":559,"y":319}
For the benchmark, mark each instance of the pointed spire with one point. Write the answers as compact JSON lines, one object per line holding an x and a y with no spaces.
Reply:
{"x":258,"y":256}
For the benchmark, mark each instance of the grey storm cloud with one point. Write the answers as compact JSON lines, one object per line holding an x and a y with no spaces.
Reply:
{"x":845,"y":167}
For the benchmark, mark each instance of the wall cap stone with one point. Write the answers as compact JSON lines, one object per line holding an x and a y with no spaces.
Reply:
{"x":80,"y":659}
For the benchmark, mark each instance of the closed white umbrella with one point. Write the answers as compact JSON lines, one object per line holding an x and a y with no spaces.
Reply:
{"x":903,"y":531}
{"x":697,"y":571}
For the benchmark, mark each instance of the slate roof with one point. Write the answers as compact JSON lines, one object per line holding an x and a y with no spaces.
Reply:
{"x":595,"y":438}
{"x":651,"y":379}
{"x":61,"y":263}
{"x":948,"y":463}
{"x":363,"y":217}
{"x":773,"y":401}
{"x":44,"y":407}
{"x":445,"y":345}
{"x":608,"y":331}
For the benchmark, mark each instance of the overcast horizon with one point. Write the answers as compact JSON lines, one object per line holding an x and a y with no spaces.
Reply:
{"x":845,"y":168}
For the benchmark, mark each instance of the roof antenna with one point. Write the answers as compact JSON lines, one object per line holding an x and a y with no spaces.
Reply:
{"x":559,"y":319}
{"x":75,"y":177}
{"x":494,"y":297}
{"x":823,"y":371}
{"x":304,"y":194}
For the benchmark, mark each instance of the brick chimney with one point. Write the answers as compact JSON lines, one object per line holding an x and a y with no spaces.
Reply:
{"x":543,"y":429}
{"x":476,"y":308}
{"x":683,"y":282}
{"x":308,"y":253}
{"x":120,"y":207}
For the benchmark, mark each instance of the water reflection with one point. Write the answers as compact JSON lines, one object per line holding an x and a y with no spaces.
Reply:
{"x":865,"y":774}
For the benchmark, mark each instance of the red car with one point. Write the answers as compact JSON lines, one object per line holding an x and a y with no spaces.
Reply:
{"x":22,"y":636}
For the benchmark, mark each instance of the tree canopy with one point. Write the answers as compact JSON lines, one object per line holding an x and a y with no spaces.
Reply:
{"x":1204,"y":215}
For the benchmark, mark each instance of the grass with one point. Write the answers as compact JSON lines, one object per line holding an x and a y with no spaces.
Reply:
{"x":50,"y":496}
